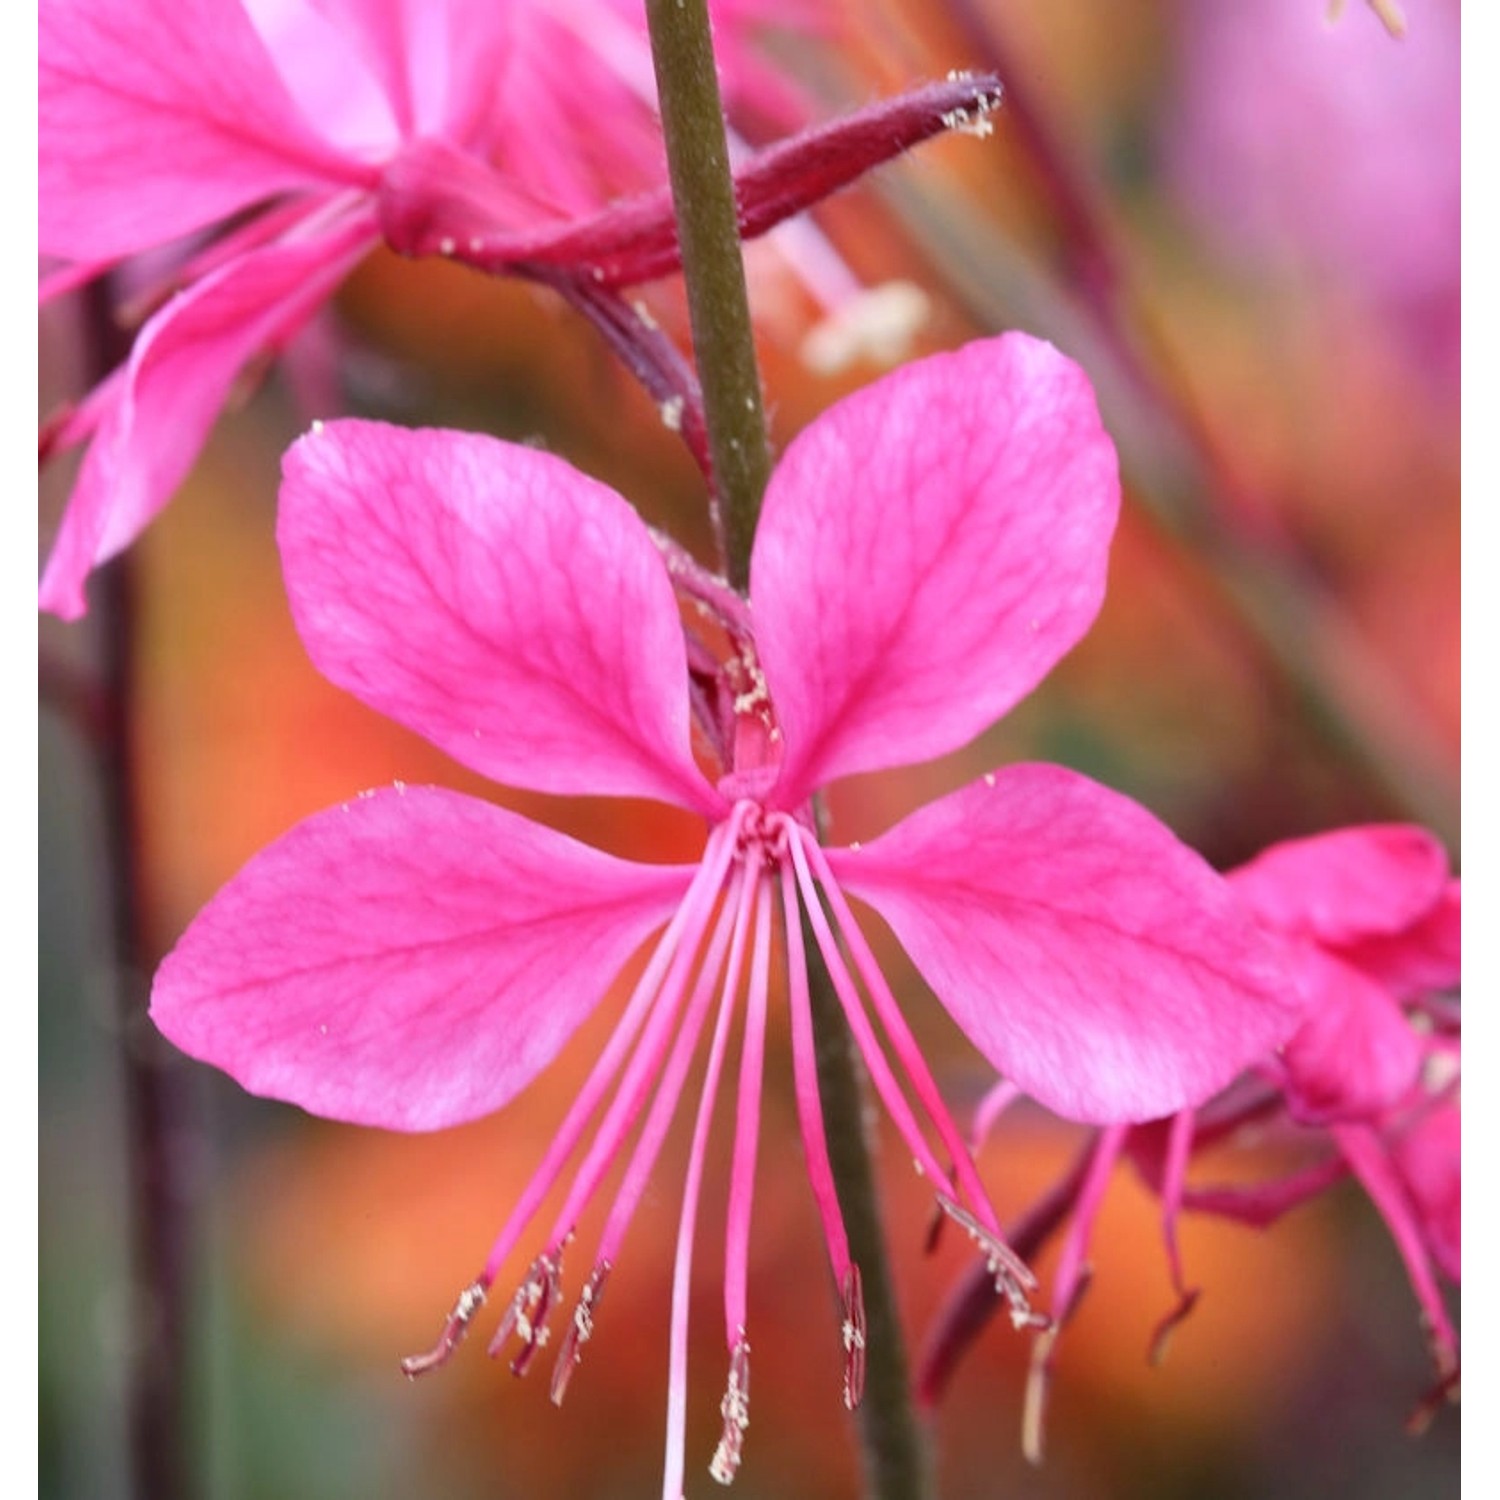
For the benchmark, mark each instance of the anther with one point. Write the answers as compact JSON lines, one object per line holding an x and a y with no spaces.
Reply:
{"x":1013,"y":1278}
{"x":470,"y":1300}
{"x":580,"y":1331}
{"x":735,"y":1409}
{"x":529,"y":1309}
{"x":854,"y":1330}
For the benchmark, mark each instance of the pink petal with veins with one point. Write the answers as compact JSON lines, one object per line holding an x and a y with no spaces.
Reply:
{"x":1340,"y":887}
{"x":929,"y":548}
{"x":1355,"y":1054}
{"x":183,"y":91}
{"x":411,"y":959}
{"x":1094,"y":960}
{"x":497,"y":601}
{"x":177,"y":379}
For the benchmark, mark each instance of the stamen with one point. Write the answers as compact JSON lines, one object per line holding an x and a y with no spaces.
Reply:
{"x":902,"y":1041}
{"x":470,"y":1300}
{"x":1039,"y":1377}
{"x":735,"y":1409}
{"x":669,"y":1088}
{"x":684,"y":931}
{"x":805,"y":1084}
{"x":580,"y":1331}
{"x":844,"y":987}
{"x":1013,"y":1277}
{"x":529,"y":1310}
{"x":747,"y":1115}
{"x":682,"y":1273}
{"x":854,"y":1332}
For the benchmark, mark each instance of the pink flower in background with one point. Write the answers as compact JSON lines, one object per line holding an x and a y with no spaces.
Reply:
{"x":1369,"y":923}
{"x":254,"y":141}
{"x":928,"y":549}
{"x":1331,"y":147}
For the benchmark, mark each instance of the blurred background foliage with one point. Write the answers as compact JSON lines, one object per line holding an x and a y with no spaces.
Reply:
{"x":1266,"y":294}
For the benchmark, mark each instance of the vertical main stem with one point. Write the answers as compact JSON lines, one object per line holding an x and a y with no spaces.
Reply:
{"x":895,"y":1456}
{"x":692,"y":118}
{"x":719,"y":310}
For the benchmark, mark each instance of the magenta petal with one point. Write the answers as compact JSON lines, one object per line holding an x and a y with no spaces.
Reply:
{"x":1338,"y":888}
{"x":1429,"y":1160}
{"x":175,"y":384}
{"x":494,"y":599}
{"x":1095,"y":960}
{"x":1423,"y":959}
{"x":1355,"y":1053}
{"x":928,"y":549}
{"x":183,"y":91}
{"x":411,"y":959}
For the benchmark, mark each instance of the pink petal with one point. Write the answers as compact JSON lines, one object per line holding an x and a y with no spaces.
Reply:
{"x":184,"y":92}
{"x":176,"y":382}
{"x":494,"y":599}
{"x":1092,"y":958}
{"x":929,"y":548}
{"x":1341,"y":887}
{"x":1355,"y":1054}
{"x":411,"y":959}
{"x":1430,"y":1162}
{"x":1423,"y":959}
{"x":439,"y":62}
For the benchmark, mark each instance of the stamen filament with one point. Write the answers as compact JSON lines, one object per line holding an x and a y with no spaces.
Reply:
{"x":805,"y":1085}
{"x":692,"y":912}
{"x":880,"y":1071}
{"x":683,"y":1270}
{"x":904,"y":1043}
{"x":669,"y":1091}
{"x":1069,"y":1282}
{"x":747,"y":1121}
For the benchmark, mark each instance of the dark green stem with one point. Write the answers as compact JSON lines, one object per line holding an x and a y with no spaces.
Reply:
{"x":894,"y":1452}
{"x":692,"y":118}
{"x":719,"y":309}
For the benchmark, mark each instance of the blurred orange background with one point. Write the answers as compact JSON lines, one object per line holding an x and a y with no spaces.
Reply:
{"x":1291,"y":421}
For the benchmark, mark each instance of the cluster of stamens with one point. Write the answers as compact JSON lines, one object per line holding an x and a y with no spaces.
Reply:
{"x":761,"y":870}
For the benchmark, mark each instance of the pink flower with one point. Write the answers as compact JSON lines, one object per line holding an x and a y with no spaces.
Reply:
{"x":1368,"y":920}
{"x":412,"y":959}
{"x":257,"y":140}
{"x":1331,"y":148}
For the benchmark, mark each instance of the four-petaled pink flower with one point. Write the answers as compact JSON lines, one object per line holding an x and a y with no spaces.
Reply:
{"x":258,"y":141}
{"x":928,"y":549}
{"x":1368,"y":920}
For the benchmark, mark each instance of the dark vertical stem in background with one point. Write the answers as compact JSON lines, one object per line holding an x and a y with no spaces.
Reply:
{"x":718,"y":306}
{"x":157,"y":1327}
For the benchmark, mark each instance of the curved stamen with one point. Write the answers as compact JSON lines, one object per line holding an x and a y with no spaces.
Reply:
{"x":470,"y":1300}
{"x":1069,"y":1282}
{"x":880,"y":1071}
{"x":711,"y":977}
{"x":747,"y":1121}
{"x":735,"y":1409}
{"x":815,"y":1143}
{"x":904,"y":1043}
{"x":683,"y":931}
{"x":1173,"y":1183}
{"x":580,"y":1331}
{"x":683,"y":1268}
